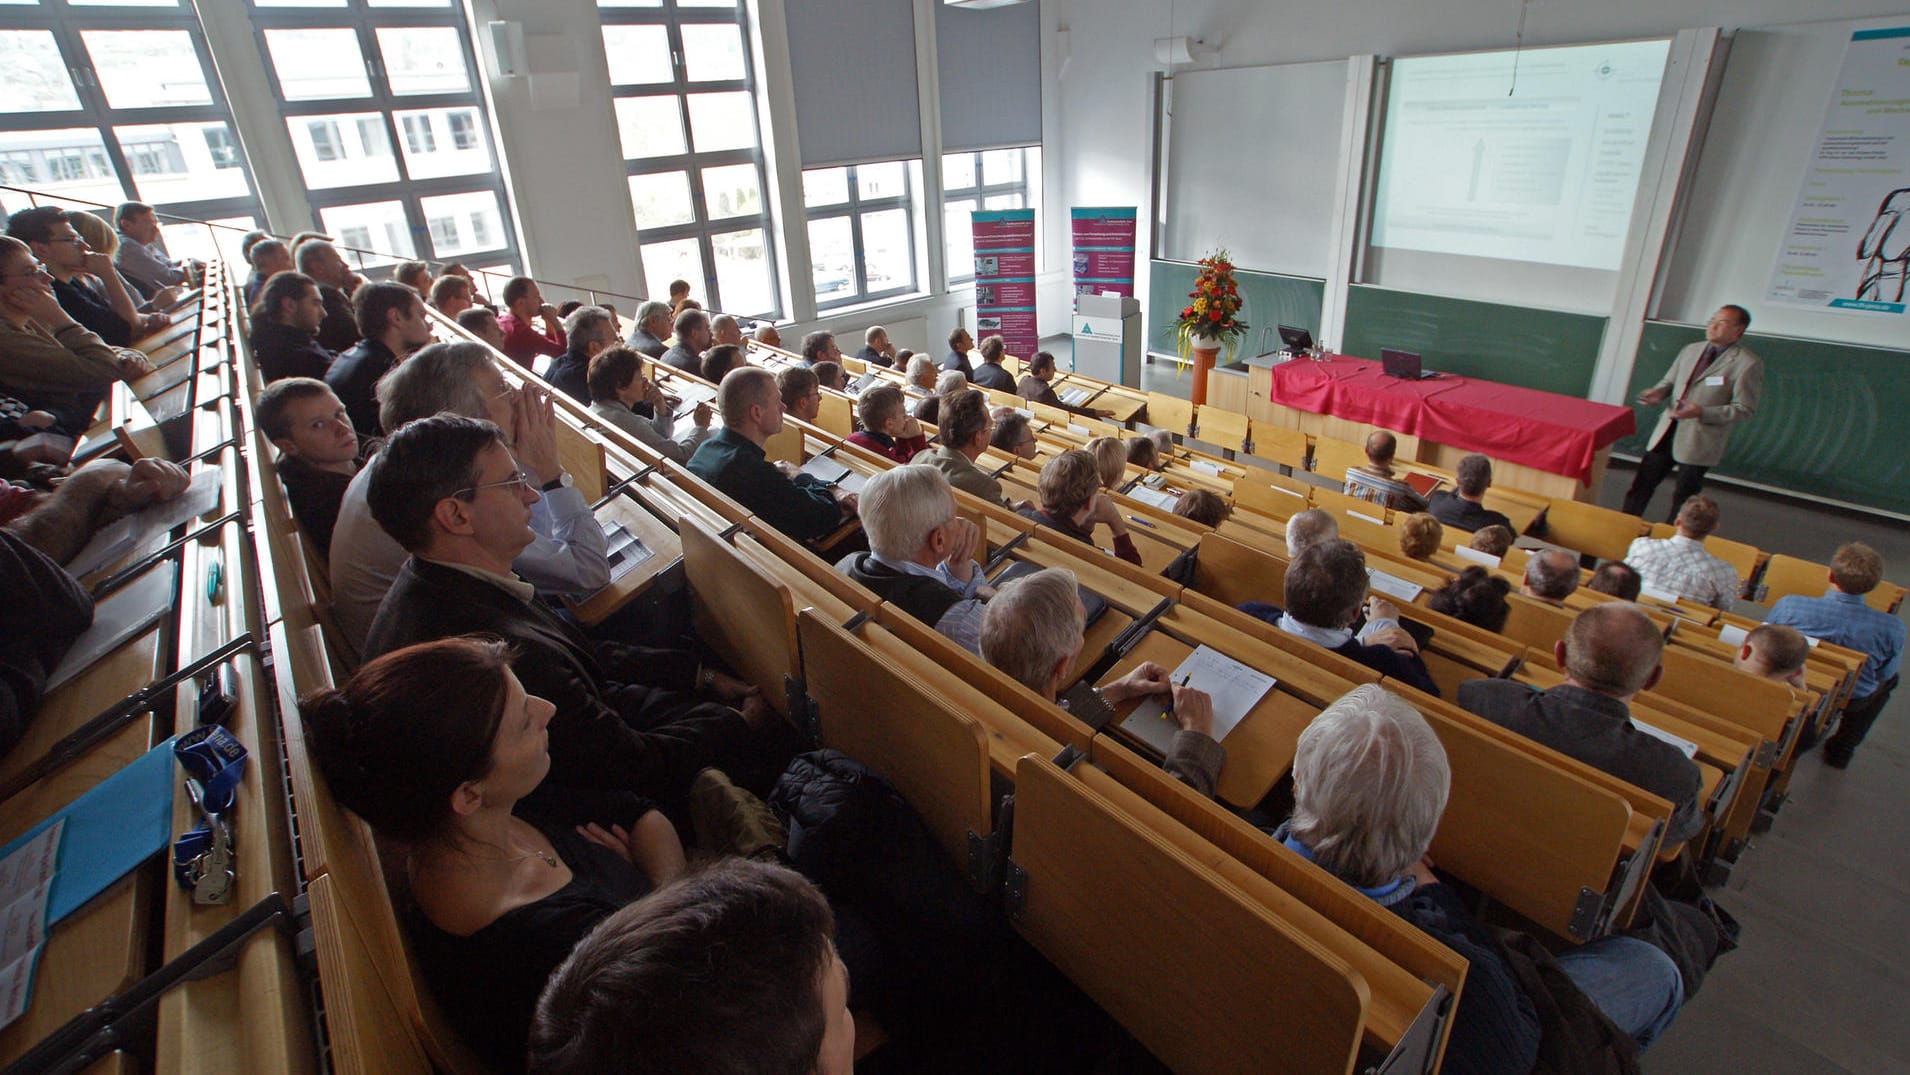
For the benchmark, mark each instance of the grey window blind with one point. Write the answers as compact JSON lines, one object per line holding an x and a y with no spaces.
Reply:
{"x":989,"y":64}
{"x":853,"y":70}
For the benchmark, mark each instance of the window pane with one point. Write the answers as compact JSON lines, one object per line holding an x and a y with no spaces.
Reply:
{"x":650,"y":127}
{"x":147,"y":68}
{"x":732,"y":190}
{"x":463,"y":223}
{"x":408,"y":3}
{"x":832,"y":259}
{"x":706,"y":3}
{"x":958,"y":234}
{"x":1001,"y":166}
{"x":885,"y":250}
{"x":375,"y":233}
{"x":182,"y":162}
{"x":68,"y":162}
{"x":36,"y":75}
{"x":443,"y":141}
{"x":423,"y":59}
{"x":662,"y":199}
{"x":958,"y":171}
{"x":112,"y":3}
{"x":638,"y":55}
{"x":315,"y":65}
{"x":298,"y":3}
{"x":678,"y":259}
{"x":194,"y":241}
{"x":629,"y":3}
{"x":1002,"y":201}
{"x":882,"y":180}
{"x":721,"y":121}
{"x":742,"y":272}
{"x":825,"y":186}
{"x":713,"y":52}
{"x":343,"y":150}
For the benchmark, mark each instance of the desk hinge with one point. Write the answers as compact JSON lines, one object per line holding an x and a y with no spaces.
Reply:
{"x":802,"y":708}
{"x":984,"y":861}
{"x":1766,"y":755}
{"x":1014,"y":890}
{"x":1584,"y":921}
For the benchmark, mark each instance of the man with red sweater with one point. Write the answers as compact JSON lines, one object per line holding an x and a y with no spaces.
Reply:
{"x":522,"y":343}
{"x":887,"y":429}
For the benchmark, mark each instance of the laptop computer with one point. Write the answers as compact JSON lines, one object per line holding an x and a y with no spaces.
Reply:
{"x":1403,"y":364}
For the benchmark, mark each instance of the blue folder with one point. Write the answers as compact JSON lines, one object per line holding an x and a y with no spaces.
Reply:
{"x":125,"y":820}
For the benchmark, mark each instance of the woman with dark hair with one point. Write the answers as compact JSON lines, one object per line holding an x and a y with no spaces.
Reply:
{"x":1477,"y":596}
{"x":434,"y":746}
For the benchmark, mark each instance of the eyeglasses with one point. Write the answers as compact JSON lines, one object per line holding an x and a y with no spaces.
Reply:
{"x":76,"y":240}
{"x":38,"y":269}
{"x":518,"y":479}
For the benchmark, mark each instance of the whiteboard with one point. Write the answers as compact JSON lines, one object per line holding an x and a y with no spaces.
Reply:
{"x":1253,"y":159}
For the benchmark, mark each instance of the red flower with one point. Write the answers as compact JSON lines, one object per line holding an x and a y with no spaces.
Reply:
{"x":1189,"y":312}
{"x":1213,"y":315}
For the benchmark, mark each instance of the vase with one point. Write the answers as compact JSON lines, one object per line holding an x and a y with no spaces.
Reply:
{"x":1205,"y":349}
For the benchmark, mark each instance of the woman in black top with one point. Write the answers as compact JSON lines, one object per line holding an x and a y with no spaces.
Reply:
{"x":434,"y":745}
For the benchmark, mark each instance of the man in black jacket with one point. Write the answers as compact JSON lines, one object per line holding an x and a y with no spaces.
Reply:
{"x":285,"y":324}
{"x":588,"y":330}
{"x":921,"y":554}
{"x":692,"y":339}
{"x":653,"y":324}
{"x":1463,"y":508}
{"x":392,"y":323}
{"x":628,"y":718}
{"x":337,"y":284}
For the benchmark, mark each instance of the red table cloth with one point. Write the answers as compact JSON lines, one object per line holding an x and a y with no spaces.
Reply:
{"x":1544,"y":430}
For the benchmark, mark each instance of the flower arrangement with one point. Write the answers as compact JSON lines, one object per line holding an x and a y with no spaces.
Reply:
{"x":1212,"y":314}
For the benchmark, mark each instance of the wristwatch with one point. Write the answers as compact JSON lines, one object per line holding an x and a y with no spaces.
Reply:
{"x":563,"y":480}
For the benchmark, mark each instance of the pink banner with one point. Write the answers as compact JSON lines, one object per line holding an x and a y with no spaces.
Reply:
{"x":1005,"y":279}
{"x":1103,"y":251}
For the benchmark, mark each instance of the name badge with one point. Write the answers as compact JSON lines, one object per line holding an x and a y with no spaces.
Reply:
{"x":1716,"y":381}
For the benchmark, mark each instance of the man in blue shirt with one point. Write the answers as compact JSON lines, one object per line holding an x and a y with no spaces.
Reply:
{"x":1841,"y":617}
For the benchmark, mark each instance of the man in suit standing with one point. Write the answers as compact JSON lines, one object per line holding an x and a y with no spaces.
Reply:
{"x":1713,"y":384}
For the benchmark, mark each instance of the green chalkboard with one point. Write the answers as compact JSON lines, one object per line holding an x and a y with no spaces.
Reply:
{"x":1545,"y":349}
{"x":1824,"y":427}
{"x":1268,"y":300}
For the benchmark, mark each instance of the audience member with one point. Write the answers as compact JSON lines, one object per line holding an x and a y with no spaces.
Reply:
{"x":725,"y":332}
{"x":482,"y":323}
{"x":962,"y":439}
{"x":1773,"y":651}
{"x":415,"y":275}
{"x":801,"y":392}
{"x":1843,"y":618}
{"x":1617,"y":578}
{"x":902,"y":357}
{"x":767,"y":335}
{"x":1375,"y":482}
{"x":921,"y":372}
{"x":99,"y":493}
{"x":452,"y":295}
{"x":1035,"y":375}
{"x":821,"y":347}
{"x":83,"y":279}
{"x":1072,"y":502}
{"x":1609,"y":654}
{"x":391,"y":325}
{"x":142,"y":256}
{"x":1420,"y":535}
{"x":1013,"y":433}
{"x":48,"y":360}
{"x":990,"y":373}
{"x":569,"y":553}
{"x":1550,"y":576}
{"x":921,"y":556}
{"x":628,"y":717}
{"x":959,"y":344}
{"x":829,"y":375}
{"x":719,"y":360}
{"x":523,"y":303}
{"x":1492,"y":540}
{"x":692,"y":338}
{"x":1326,"y":595}
{"x":1143,"y":453}
{"x":929,"y":409}
{"x":877,"y":351}
{"x":617,"y":385}
{"x":733,"y":461}
{"x":680,"y":297}
{"x":102,"y":238}
{"x":1110,"y":458}
{"x":43,"y":610}
{"x":1463,"y":507}
{"x":269,"y":258}
{"x":251,"y":240}
{"x":284,"y":330}
{"x":587,"y":331}
{"x":1308,"y":528}
{"x":887,"y":429}
{"x":1203,"y":506}
{"x":1163,"y":443}
{"x":653,"y":324}
{"x":1680,"y":564}
{"x":1032,"y":630}
{"x":1370,"y":781}
{"x":437,"y":746}
{"x":319,"y":259}
{"x":319,"y":451}
{"x":731,"y":970}
{"x":1476,"y":596}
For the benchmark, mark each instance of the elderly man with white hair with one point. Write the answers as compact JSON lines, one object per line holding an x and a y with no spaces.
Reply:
{"x":1370,"y":780}
{"x":1032,"y":630}
{"x":653,"y":324}
{"x":921,"y":556}
{"x":1309,"y":528}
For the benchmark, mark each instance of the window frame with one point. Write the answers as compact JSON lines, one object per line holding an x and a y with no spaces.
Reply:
{"x":364,"y":21}
{"x":703,"y":227}
{"x":979,"y":193}
{"x":855,"y":208}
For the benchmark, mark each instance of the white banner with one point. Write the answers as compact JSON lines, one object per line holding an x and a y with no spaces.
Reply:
{"x":1848,"y":246}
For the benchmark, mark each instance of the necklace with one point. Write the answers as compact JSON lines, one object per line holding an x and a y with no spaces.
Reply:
{"x":549,"y":859}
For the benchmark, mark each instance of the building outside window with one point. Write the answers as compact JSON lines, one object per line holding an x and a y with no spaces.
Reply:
{"x":862,"y":231}
{"x":990,"y":179}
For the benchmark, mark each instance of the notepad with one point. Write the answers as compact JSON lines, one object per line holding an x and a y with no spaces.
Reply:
{"x":857,"y":386}
{"x":689,"y":394}
{"x":1423,"y":484}
{"x":1392,"y":585}
{"x":121,"y":616}
{"x":1212,"y":470}
{"x":825,"y":470}
{"x":1233,"y":687}
{"x":1465,"y":552}
{"x":1669,"y":597}
{"x":123,"y":535}
{"x":26,"y":886}
{"x":1685,"y":746}
{"x":1160,"y":498}
{"x":1074,"y":397}
{"x":1026,"y":412}
{"x":623,"y":549}
{"x":1732,"y":636}
{"x":1080,"y":431}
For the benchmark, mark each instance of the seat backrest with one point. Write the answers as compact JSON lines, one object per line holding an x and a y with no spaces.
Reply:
{"x":835,"y":414}
{"x":1169,"y":412}
{"x":1340,"y":503}
{"x":1283,"y":445}
{"x":1590,"y":529}
{"x":740,"y":612}
{"x":1272,"y":499}
{"x":583,"y":457}
{"x":367,"y":1031}
{"x":1233,"y":573}
{"x":1534,"y":623}
{"x":1332,"y":456}
{"x":1228,"y":429}
{"x":1229,"y":986}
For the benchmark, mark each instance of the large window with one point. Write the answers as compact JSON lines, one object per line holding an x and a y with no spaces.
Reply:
{"x":381,"y":100}
{"x":103,"y":102}
{"x":991,"y":179}
{"x":861,"y":230}
{"x":692,"y":146}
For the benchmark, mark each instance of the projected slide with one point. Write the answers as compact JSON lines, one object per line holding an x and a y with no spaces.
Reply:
{"x":1545,"y":174}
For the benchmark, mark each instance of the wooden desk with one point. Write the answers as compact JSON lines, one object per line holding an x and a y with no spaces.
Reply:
{"x":665,"y":550}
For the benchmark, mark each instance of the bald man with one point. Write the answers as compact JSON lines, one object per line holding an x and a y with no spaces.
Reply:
{"x":1376,"y":481}
{"x":1609,"y":654}
{"x":1550,"y":576}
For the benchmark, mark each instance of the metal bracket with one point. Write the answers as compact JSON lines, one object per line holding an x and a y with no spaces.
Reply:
{"x":802,"y":708}
{"x":1007,"y":547}
{"x":1014,"y":891}
{"x":1586,"y":914}
{"x":1766,"y":755}
{"x":984,"y":861}
{"x":1416,"y":1049}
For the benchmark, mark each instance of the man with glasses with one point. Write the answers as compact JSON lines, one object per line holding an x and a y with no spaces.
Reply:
{"x":142,"y":252}
{"x":966,"y":426}
{"x":49,"y":361}
{"x":83,"y":279}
